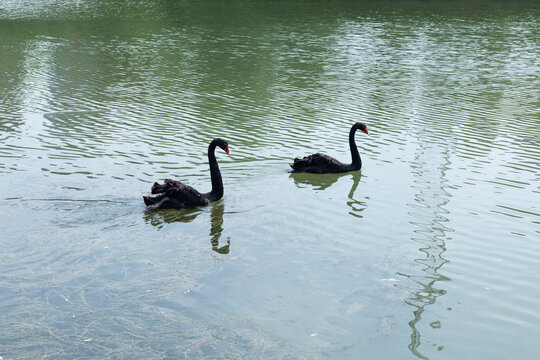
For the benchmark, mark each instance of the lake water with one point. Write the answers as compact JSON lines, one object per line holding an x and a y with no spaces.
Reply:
{"x":431,"y":251}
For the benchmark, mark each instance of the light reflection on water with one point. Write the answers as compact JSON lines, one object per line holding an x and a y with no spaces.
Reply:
{"x":428,"y":214}
{"x":429,"y":252}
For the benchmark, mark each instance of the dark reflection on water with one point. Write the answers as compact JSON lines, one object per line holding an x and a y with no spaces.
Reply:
{"x":324,"y":181}
{"x":357,"y":206}
{"x":318,"y":181}
{"x":216,"y":220}
{"x":159,"y":218}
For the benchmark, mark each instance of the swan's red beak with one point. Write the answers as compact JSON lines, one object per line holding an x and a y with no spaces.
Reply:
{"x":227,"y":149}
{"x":365,"y":130}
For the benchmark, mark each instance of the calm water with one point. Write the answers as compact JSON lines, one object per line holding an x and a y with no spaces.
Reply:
{"x":432,"y":251}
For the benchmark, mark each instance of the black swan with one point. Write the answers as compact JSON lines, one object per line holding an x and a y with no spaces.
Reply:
{"x":174,"y":194}
{"x":323,"y":164}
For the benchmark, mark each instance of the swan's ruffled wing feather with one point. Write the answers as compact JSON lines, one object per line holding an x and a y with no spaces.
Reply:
{"x":183,"y":195}
{"x":316,"y":163}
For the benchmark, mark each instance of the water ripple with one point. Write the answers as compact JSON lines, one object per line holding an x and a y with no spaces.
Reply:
{"x":94,"y":109}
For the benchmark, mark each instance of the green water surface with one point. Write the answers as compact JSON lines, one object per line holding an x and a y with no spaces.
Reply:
{"x":431,"y":251}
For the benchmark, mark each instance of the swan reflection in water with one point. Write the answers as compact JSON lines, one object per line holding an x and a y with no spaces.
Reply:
{"x":161,"y":217}
{"x":324,"y":181}
{"x":216,"y":219}
{"x":168,"y":216}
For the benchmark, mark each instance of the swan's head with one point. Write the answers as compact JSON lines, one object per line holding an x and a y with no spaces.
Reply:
{"x":222,"y":143}
{"x":362,"y":127}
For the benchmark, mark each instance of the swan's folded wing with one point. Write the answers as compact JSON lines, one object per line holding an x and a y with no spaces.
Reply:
{"x":324,"y":160}
{"x":185,"y":194}
{"x":316,"y":163}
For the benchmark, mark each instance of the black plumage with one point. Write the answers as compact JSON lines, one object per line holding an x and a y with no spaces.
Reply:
{"x":323,"y":164}
{"x":175,"y":194}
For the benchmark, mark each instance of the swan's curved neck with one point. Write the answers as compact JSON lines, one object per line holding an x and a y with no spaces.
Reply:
{"x":356,"y":161}
{"x":215,"y":175}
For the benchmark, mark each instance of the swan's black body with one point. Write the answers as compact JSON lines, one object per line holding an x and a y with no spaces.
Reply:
{"x":174,"y":194}
{"x":324,"y":164}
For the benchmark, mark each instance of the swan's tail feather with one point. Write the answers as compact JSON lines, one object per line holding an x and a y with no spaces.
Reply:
{"x":299,"y":164}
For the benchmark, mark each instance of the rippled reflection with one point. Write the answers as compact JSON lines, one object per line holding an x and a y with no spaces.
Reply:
{"x":324,"y":181}
{"x":216,"y":220}
{"x":357,"y":206}
{"x":320,"y":181}
{"x":159,"y":218}
{"x":429,"y":168}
